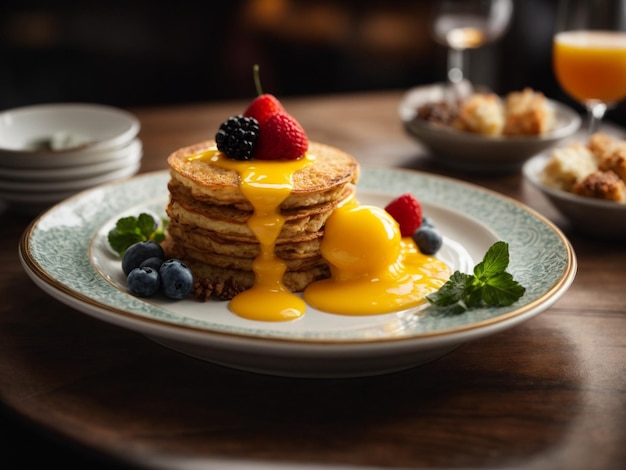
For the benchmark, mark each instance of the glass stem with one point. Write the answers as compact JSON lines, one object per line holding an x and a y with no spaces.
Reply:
{"x":455,"y":65}
{"x":595,"y":114}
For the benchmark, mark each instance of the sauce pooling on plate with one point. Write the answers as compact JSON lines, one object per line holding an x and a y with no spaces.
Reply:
{"x":373,"y":269}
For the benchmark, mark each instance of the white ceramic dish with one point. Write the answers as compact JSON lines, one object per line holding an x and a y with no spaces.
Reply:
{"x":103,"y":128}
{"x":72,"y":178}
{"x":600,"y":219}
{"x":118,"y":159}
{"x":65,"y":252}
{"x":34,"y":187}
{"x":467,"y":151}
{"x":34,"y":201}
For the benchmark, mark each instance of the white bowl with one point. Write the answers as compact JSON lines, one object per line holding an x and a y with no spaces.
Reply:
{"x":117,"y":159}
{"x":91,"y":129}
{"x":33,"y":198}
{"x":35,"y":187}
{"x":468,"y":151}
{"x":597,"y":218}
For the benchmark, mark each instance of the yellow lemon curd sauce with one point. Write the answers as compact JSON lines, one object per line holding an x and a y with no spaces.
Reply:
{"x":266,"y":184}
{"x":373,"y":269}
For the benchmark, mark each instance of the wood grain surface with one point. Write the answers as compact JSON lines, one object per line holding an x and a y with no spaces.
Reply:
{"x":547,"y":394}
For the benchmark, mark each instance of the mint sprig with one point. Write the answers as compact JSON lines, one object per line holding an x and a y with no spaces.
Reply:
{"x":489,"y":286}
{"x":130,"y":230}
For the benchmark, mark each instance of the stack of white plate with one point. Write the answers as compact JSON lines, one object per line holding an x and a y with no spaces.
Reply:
{"x":49,"y":152}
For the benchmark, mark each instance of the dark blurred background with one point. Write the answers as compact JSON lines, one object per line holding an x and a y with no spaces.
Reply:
{"x":140,"y":53}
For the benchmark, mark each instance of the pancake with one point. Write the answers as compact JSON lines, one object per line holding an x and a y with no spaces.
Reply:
{"x":212,"y":242}
{"x":209,"y":216}
{"x":300,"y":223}
{"x":241,"y":263}
{"x":315,"y":184}
{"x":225,"y":283}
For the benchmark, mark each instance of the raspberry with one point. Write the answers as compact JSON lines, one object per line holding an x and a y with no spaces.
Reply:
{"x":237,"y":137}
{"x":407,"y":211}
{"x":263,"y":107}
{"x":281,"y":138}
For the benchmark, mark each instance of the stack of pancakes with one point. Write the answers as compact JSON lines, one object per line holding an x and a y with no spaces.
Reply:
{"x":208,"y":220}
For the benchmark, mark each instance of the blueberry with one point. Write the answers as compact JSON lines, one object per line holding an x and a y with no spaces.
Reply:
{"x":176,"y":279}
{"x":428,"y":240}
{"x":427,"y":222}
{"x":143,"y":282}
{"x":139,"y":252}
{"x":153,"y":262}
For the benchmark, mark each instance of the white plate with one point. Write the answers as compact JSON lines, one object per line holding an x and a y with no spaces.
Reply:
{"x":34,"y":202}
{"x":468,"y":151}
{"x":118,"y":159}
{"x":105,"y":128}
{"x":20,"y":191}
{"x":65,"y":252}
{"x":72,"y":184}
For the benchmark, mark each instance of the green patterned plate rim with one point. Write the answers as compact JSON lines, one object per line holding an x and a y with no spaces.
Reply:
{"x":60,"y":250}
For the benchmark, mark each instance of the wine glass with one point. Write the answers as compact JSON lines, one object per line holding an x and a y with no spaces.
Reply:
{"x":589,"y":54}
{"x":468,"y":24}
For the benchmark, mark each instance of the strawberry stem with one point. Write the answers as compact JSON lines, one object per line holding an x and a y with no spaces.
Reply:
{"x":257,"y":79}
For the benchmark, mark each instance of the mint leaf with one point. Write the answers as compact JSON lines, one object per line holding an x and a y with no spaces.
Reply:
{"x":502,"y":289}
{"x":495,"y":261}
{"x":130,"y":230}
{"x":452,"y":291}
{"x":146,"y":225}
{"x":120,"y":241}
{"x":158,"y":236}
{"x":490,"y":285}
{"x":126,"y":224}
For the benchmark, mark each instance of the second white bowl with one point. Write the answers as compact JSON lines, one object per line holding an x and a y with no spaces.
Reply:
{"x":597,"y":218}
{"x":80,"y":132}
{"x":475,"y":152}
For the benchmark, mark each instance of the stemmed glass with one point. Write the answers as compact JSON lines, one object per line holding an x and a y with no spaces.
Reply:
{"x":589,"y":54}
{"x":468,"y":24}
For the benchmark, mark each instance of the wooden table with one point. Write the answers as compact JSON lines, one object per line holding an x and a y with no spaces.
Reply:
{"x":549,"y":393}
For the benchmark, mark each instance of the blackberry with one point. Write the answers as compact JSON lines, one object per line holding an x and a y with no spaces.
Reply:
{"x":237,"y":137}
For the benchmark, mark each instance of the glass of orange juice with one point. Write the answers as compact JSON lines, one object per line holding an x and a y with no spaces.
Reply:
{"x":589,"y":54}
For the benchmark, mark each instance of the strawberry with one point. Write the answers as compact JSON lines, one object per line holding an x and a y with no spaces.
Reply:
{"x":281,"y":138}
{"x":262,"y":107}
{"x":407,"y":211}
